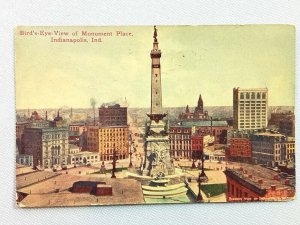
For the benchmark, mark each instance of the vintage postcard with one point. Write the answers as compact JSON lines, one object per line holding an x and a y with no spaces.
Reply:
{"x":154,"y":114}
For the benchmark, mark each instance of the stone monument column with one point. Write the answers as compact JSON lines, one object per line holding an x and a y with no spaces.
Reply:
{"x":158,"y":162}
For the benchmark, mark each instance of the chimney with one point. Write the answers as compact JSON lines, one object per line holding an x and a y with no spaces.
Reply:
{"x":273,"y":187}
{"x":250,"y":176}
{"x":211,"y":125}
{"x":260,"y":181}
{"x":241,"y":168}
{"x":276,"y":177}
{"x":287,"y":182}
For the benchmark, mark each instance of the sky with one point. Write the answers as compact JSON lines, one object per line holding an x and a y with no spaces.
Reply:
{"x":206,"y":60}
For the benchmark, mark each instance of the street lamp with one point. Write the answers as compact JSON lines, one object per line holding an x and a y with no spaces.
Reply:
{"x":201,"y":178}
{"x":193,"y":158}
{"x":203,"y":175}
{"x":130,"y":149}
{"x":114,"y":164}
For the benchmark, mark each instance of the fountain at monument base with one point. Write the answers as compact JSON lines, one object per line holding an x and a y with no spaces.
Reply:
{"x":163,"y":189}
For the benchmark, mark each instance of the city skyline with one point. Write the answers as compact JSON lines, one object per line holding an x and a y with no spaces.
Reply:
{"x":70,"y":74}
{"x":118,"y":158}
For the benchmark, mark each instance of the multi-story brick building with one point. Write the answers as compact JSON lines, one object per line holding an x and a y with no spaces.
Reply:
{"x":218,"y":129}
{"x":47,"y":142}
{"x":268,"y":148}
{"x":194,"y":135}
{"x":240,"y":149}
{"x":197,"y":146}
{"x":20,"y":126}
{"x":287,"y":127}
{"x":113,"y":138}
{"x":250,"y":108}
{"x":276,"y":117}
{"x":75,"y":133}
{"x":180,"y":142}
{"x":290,"y":150}
{"x":256,"y":183}
{"x":105,"y":140}
{"x":93,"y":138}
{"x":113,"y":115}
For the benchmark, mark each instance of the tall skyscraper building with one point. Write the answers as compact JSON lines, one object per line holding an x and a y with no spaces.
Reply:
{"x":250,"y":108}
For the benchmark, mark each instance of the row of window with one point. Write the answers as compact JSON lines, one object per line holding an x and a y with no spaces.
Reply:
{"x":253,"y":95}
{"x":80,"y":158}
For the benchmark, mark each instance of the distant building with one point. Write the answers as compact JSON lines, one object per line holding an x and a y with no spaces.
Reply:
{"x":73,"y":149}
{"x":19,"y":132}
{"x":290,"y":150}
{"x":250,"y":108}
{"x":20,"y":128}
{"x":240,"y":149}
{"x":276,"y":117}
{"x":197,"y":143}
{"x":198,"y":114}
{"x":83,"y":157}
{"x":287,"y":126}
{"x":106,"y":139}
{"x":47,"y":142}
{"x":218,"y":129}
{"x":113,"y":115}
{"x":189,"y":135}
{"x":256,"y":183}
{"x":268,"y":148}
{"x":26,"y":160}
{"x":180,"y":142}
{"x":114,"y":138}
{"x":76,"y":133}
{"x":93,"y":138}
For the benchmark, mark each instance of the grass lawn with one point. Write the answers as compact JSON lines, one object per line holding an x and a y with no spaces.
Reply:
{"x":213,"y":189}
{"x":117,"y":170}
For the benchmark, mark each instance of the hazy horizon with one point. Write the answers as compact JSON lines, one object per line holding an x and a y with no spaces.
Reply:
{"x":193,"y":106}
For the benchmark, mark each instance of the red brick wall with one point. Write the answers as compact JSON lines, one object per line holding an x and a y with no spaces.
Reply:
{"x":197,"y":143}
{"x":104,"y":191}
{"x":235,"y":192}
{"x":240,"y":147}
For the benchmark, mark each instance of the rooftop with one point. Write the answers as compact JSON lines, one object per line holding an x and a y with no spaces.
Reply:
{"x":32,"y":177}
{"x":84,"y":152}
{"x":258,"y":178}
{"x":55,"y":192}
{"x":270,"y":134}
{"x":251,"y":89}
{"x":201,"y":123}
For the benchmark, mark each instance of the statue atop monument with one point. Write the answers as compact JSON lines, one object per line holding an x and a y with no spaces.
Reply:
{"x":155,"y":34}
